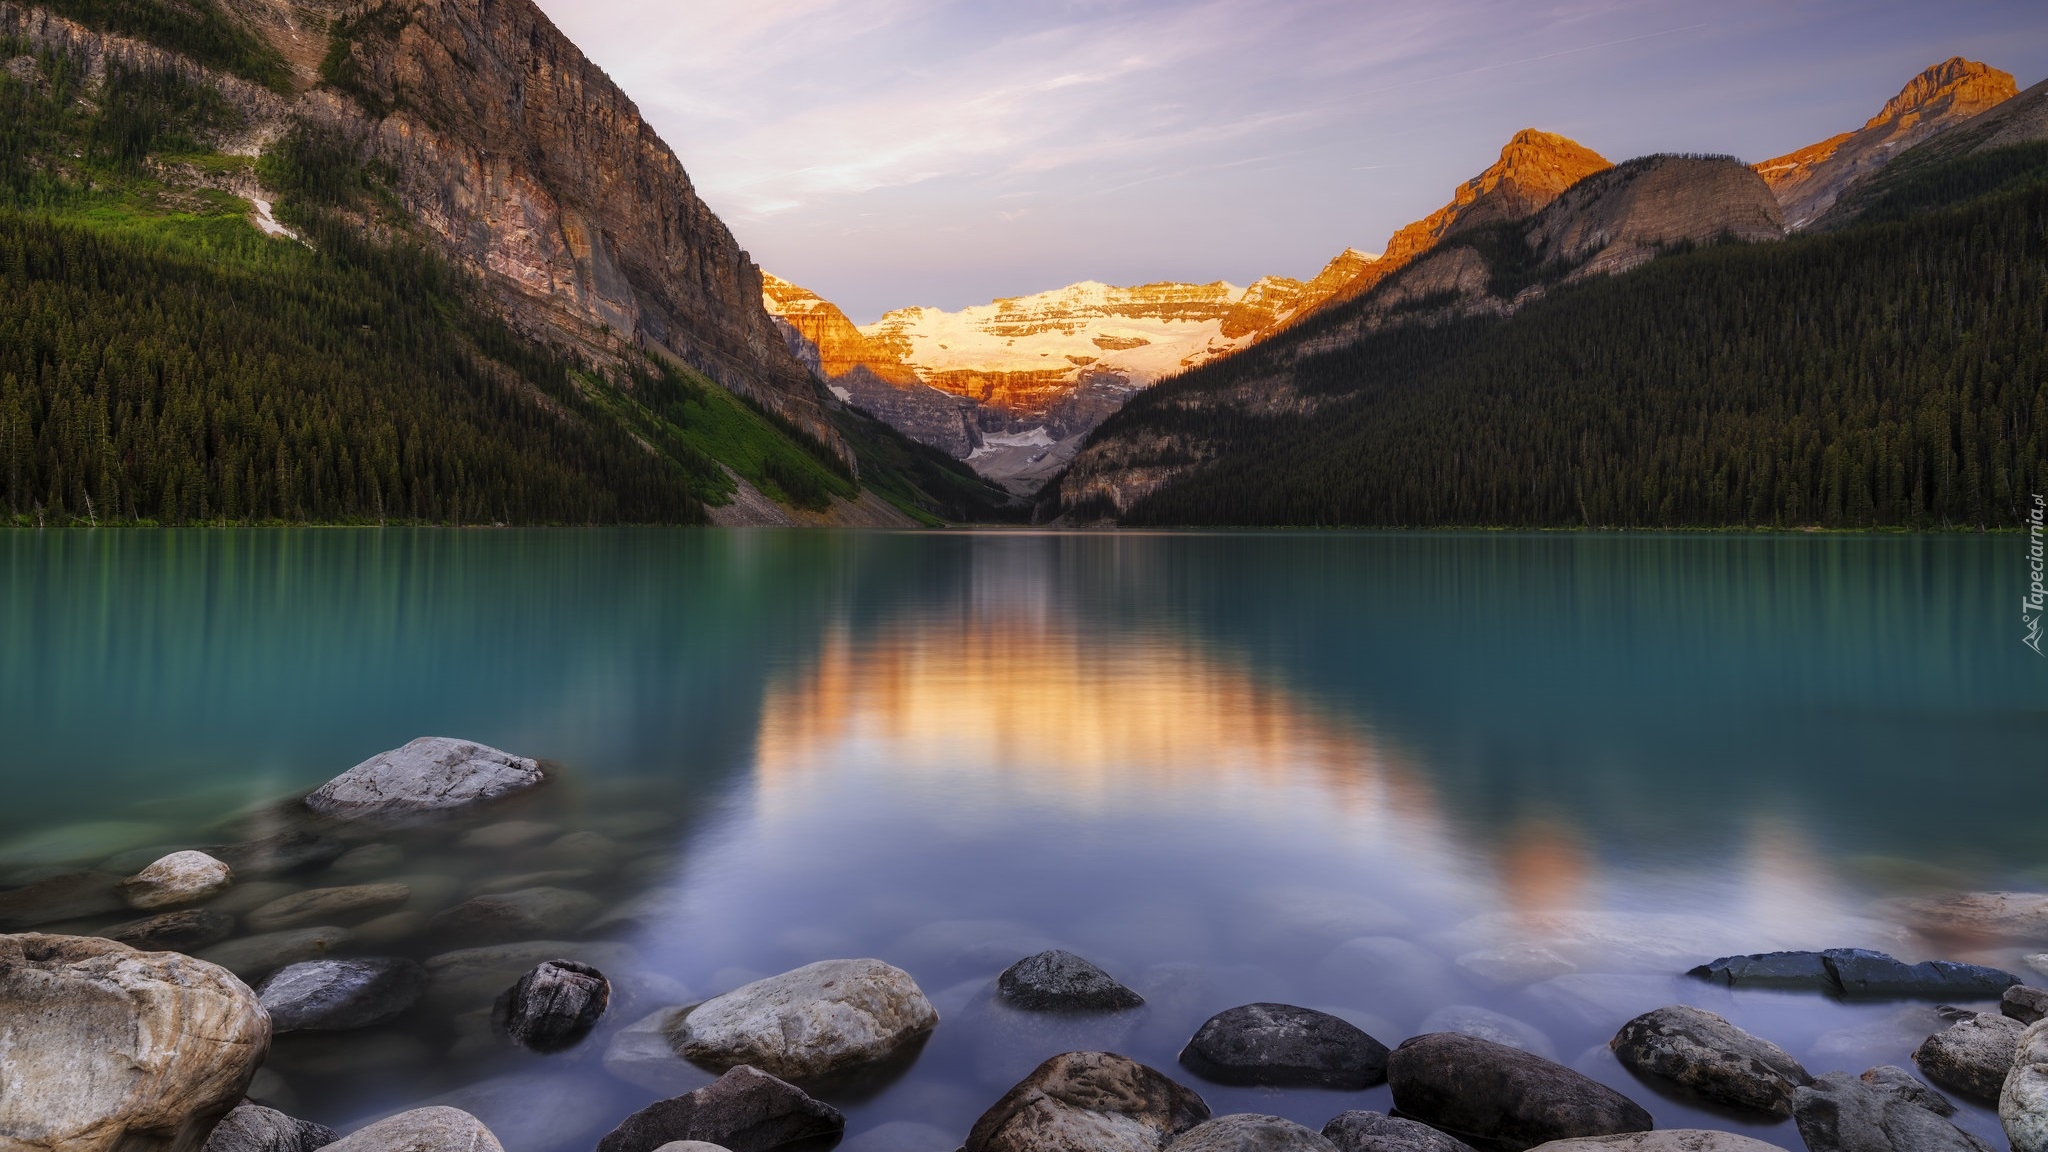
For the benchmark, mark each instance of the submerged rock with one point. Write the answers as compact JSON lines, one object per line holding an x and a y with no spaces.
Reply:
{"x":508,"y":834}
{"x":554,"y":1006}
{"x":1378,"y":1132}
{"x":521,"y":915}
{"x":1858,"y":973}
{"x":2023,"y":1099}
{"x":254,"y":1128}
{"x":431,"y":774}
{"x":369,"y":859}
{"x":1245,"y":1132}
{"x":254,"y":957}
{"x":72,"y":896}
{"x":187,"y":930}
{"x":1286,"y":1046}
{"x":1705,"y":1053}
{"x":279,"y":854}
{"x":107,"y":1047}
{"x":817,"y":1019}
{"x":1840,"y":1113}
{"x":422,"y":1130}
{"x":324,"y":906}
{"x":179,"y":878}
{"x":1059,"y":981}
{"x":1504,"y":1095}
{"x":1095,"y":1101}
{"x":1972,"y":1056}
{"x":747,"y":1110}
{"x":475,"y":977}
{"x":338,"y":995}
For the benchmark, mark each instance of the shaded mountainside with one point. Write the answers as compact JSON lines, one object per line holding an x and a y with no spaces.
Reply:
{"x":441,"y":329}
{"x":1890,"y":373}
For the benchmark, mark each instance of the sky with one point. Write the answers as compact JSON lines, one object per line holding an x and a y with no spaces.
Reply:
{"x":887,"y":153}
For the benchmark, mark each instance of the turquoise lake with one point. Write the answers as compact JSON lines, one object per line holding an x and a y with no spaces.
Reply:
{"x":1372,"y":774}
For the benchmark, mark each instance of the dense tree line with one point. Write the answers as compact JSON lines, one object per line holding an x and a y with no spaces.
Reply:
{"x":1891,"y":374}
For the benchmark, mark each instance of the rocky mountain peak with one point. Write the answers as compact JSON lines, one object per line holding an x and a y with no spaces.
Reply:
{"x":1954,"y":86}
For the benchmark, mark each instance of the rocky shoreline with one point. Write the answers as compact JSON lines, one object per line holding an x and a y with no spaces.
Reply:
{"x":146,"y":1010}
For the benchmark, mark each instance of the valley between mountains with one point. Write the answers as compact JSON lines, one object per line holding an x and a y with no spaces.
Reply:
{"x":289,"y":261}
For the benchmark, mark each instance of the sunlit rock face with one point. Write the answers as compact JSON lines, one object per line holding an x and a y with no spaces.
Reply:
{"x":1808,"y":182}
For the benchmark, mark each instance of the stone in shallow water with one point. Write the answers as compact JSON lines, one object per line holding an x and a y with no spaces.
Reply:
{"x":746,"y":1110}
{"x":186,"y":930}
{"x":817,"y":1019}
{"x":1904,"y":1085}
{"x":524,"y":914}
{"x":1491,"y":1092}
{"x":1379,"y":1132}
{"x":254,"y":957}
{"x":254,"y":1128}
{"x":72,"y":896}
{"x":179,"y":878}
{"x":431,"y":774}
{"x":1670,"y":1140}
{"x":324,"y":906}
{"x":338,"y":995}
{"x":1858,"y":973}
{"x":1088,"y":1100}
{"x":1977,"y":916}
{"x":2024,"y":1004}
{"x":1840,"y":1113}
{"x":1245,"y":1132}
{"x":279,"y":854}
{"x":1702,"y":1052}
{"x":508,"y":834}
{"x":1972,"y":1056}
{"x":368,"y":860}
{"x":422,"y":1130}
{"x":554,"y":1006}
{"x":1284,"y":1046}
{"x":1059,"y":981}
{"x":474,"y":977}
{"x":1803,"y":971}
{"x":2023,"y":1101}
{"x":1487,"y":1024}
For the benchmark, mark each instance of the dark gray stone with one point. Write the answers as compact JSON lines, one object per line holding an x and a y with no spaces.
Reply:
{"x":1702,"y":1052}
{"x":1059,"y":981}
{"x":184,"y":931}
{"x":1859,"y":973}
{"x":1490,"y":1093}
{"x":1246,"y":1132}
{"x":554,"y":1006}
{"x":1284,"y":1046}
{"x":1379,"y":1132}
{"x":2024,"y":1004}
{"x":1972,"y":1057}
{"x":337,"y":995}
{"x":1903,"y":1085}
{"x":254,"y":1128}
{"x":1840,"y":1113}
{"x":1796,"y":970}
{"x":277,"y":855}
{"x":747,"y":1110}
{"x":72,"y":896}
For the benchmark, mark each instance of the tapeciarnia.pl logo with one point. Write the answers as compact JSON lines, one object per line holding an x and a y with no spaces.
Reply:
{"x":2033,"y":607}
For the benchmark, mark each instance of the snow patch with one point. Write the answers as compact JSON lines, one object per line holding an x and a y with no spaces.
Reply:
{"x":266,"y":220}
{"x":845,"y":394}
{"x":992,"y":444}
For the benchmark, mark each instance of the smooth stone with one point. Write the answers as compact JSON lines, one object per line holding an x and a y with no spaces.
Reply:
{"x":650,"y":909}
{"x":1491,"y":1092}
{"x":254,"y":957}
{"x":422,"y":1130}
{"x":1972,"y":1056}
{"x":1246,"y":1132}
{"x":895,"y":1136}
{"x":1515,"y":966}
{"x":338,"y":995}
{"x":582,"y":850}
{"x":133,"y":860}
{"x":1379,"y":1132}
{"x":1840,"y":1113}
{"x":369,"y":859}
{"x":523,"y":914}
{"x":277,"y":855}
{"x":179,"y":878}
{"x":254,"y":1128}
{"x":392,"y":927}
{"x":1669,"y":1140}
{"x":538,"y":1111}
{"x":250,"y":895}
{"x":1059,"y":981}
{"x":1284,"y":1046}
{"x":2023,"y":1098}
{"x":817,"y":1019}
{"x":1700,"y":1051}
{"x":2018,"y":917}
{"x":1487,"y":1024}
{"x":1862,"y":973}
{"x":745,"y":1110}
{"x":1903,"y":1085}
{"x":641,"y":1055}
{"x":508,"y":834}
{"x":1092,"y":1101}
{"x":72,"y":896}
{"x":1799,"y":971}
{"x":430,"y":774}
{"x":324,"y":906}
{"x":107,"y":1047}
{"x":555,"y":878}
{"x":2024,"y":1004}
{"x":554,"y":1006}
{"x":187,"y":930}
{"x":475,"y":976}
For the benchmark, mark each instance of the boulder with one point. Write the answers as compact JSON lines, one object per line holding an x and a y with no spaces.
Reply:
{"x":179,"y":878}
{"x":1379,"y":1132}
{"x":279,"y":854}
{"x":747,"y":1110}
{"x":1487,"y":1024}
{"x":1858,"y":973}
{"x":1903,"y":1085}
{"x":72,"y":896}
{"x":107,"y":1047}
{"x":522,"y":915}
{"x":1245,"y":1132}
{"x":1670,"y":1140}
{"x":1059,"y":981}
{"x":2024,"y":1004}
{"x":324,"y":906}
{"x":817,"y":1019}
{"x":1972,"y":1056}
{"x":1503,"y":1095}
{"x":2023,"y":1100}
{"x":1700,"y":1051}
{"x":254,"y":957}
{"x":1284,"y":1046}
{"x":254,"y":1128}
{"x":1840,"y":1113}
{"x":431,"y":774}
{"x":422,"y":1130}
{"x":186,"y":930}
{"x":552,"y":1007}
{"x":337,"y":995}
{"x":1088,"y":1102}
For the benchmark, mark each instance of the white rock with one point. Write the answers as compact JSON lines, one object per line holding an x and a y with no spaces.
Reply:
{"x":180,"y":878}
{"x":105,"y":1047}
{"x":431,"y":774}
{"x":820,"y":1018}
{"x":2023,"y":1104}
{"x":422,"y":1130}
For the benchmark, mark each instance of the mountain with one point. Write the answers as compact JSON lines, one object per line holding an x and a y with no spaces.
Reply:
{"x":459,"y":171}
{"x":1809,"y":181}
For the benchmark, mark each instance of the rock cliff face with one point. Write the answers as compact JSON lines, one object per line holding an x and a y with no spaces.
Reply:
{"x":1619,"y":219}
{"x":1808,"y":182}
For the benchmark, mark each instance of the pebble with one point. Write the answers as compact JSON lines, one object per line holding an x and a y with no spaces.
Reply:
{"x":1285,"y":1046}
{"x":324,"y":906}
{"x":179,"y":878}
{"x":186,"y":930}
{"x":1059,"y":981}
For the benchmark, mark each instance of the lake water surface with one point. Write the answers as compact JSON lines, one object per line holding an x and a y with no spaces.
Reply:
{"x":1364,"y":773}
